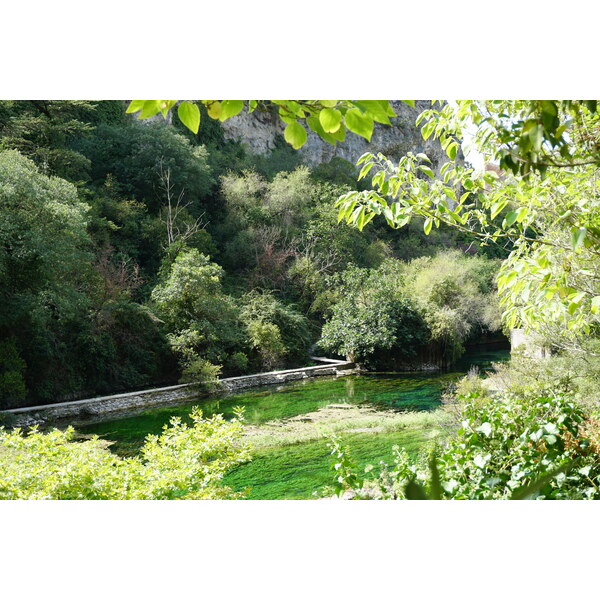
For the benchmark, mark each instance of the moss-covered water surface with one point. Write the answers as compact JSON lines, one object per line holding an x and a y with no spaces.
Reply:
{"x":298,"y":463}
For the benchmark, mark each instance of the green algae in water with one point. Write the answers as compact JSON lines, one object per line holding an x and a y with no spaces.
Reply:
{"x":412,"y":392}
{"x":295,"y":472}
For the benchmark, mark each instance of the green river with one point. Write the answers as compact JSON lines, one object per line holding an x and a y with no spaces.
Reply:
{"x":296,"y":470}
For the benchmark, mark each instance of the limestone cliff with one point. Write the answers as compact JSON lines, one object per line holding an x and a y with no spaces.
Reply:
{"x":258,"y":131}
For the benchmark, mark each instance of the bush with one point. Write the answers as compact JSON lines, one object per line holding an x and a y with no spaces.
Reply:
{"x":406,"y":315}
{"x":201,"y":371}
{"x":543,"y":447}
{"x":184,"y":462}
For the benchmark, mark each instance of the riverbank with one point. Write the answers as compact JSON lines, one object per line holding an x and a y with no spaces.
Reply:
{"x":110,"y":406}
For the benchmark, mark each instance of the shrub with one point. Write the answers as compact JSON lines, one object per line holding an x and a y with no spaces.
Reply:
{"x":543,"y":447}
{"x":184,"y":462}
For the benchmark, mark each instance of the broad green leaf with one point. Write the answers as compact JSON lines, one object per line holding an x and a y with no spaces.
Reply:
{"x":359,"y":123}
{"x":189,"y":114}
{"x":525,"y":491}
{"x":596,"y":305}
{"x":378,"y":110}
{"x":295,"y":135}
{"x":328,"y":103}
{"x":451,"y":150}
{"x":509,"y":219}
{"x":577,"y":236}
{"x":214,"y":109}
{"x":230,"y":108}
{"x":340,"y":134}
{"x":536,"y":135}
{"x":415,"y":491}
{"x":330,"y":119}
{"x":315,"y":125}
{"x":135,"y":106}
{"x":497,"y":208}
{"x":522,"y":214}
{"x":426,"y":170}
{"x":410,"y":103}
{"x":427,"y":225}
{"x":427,"y":129}
{"x":150,"y":108}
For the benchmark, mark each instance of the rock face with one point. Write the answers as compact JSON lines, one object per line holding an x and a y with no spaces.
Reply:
{"x":258,"y":131}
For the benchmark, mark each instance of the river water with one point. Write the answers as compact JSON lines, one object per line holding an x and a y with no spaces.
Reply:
{"x":296,"y":471}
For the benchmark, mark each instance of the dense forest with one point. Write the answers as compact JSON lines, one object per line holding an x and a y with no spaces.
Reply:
{"x":141,"y":251}
{"x":137,"y":253}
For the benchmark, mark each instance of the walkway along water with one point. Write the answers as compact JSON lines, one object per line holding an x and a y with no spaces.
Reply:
{"x":175,"y":394}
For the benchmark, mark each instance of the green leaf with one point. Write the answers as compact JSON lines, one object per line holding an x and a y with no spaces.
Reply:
{"x":596,"y":305}
{"x":577,"y":236}
{"x":451,"y":150}
{"x":135,"y":106}
{"x":427,"y":171}
{"x":330,"y":119}
{"x":189,"y":114}
{"x":410,"y":103}
{"x":315,"y":125}
{"x":435,"y":485}
{"x":359,"y":123}
{"x":497,"y":208}
{"x":525,"y":491}
{"x":150,"y":108}
{"x":427,"y":129}
{"x":230,"y":108}
{"x":522,"y":214}
{"x":509,"y":219}
{"x":379,"y":110}
{"x":427,"y":225}
{"x":536,"y":135}
{"x":414,"y":491}
{"x":295,"y":135}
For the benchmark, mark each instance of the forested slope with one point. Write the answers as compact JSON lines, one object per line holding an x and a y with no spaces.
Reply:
{"x":134,"y":254}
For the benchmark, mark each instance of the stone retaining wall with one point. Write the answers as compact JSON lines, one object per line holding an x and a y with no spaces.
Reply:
{"x":176,"y":394}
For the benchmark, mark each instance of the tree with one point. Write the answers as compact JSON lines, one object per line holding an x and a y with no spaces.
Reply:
{"x":43,"y":130}
{"x":410,"y":314}
{"x":201,"y":320}
{"x":373,"y":319}
{"x":546,"y":207}
{"x":135,"y":154}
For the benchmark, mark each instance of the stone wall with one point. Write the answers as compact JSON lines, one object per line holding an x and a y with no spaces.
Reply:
{"x":82,"y":410}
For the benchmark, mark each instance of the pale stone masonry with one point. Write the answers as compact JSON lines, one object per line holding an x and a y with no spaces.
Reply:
{"x":89,"y":408}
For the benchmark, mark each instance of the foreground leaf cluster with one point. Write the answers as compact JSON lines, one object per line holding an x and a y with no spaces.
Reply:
{"x":509,"y":447}
{"x":184,"y":462}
